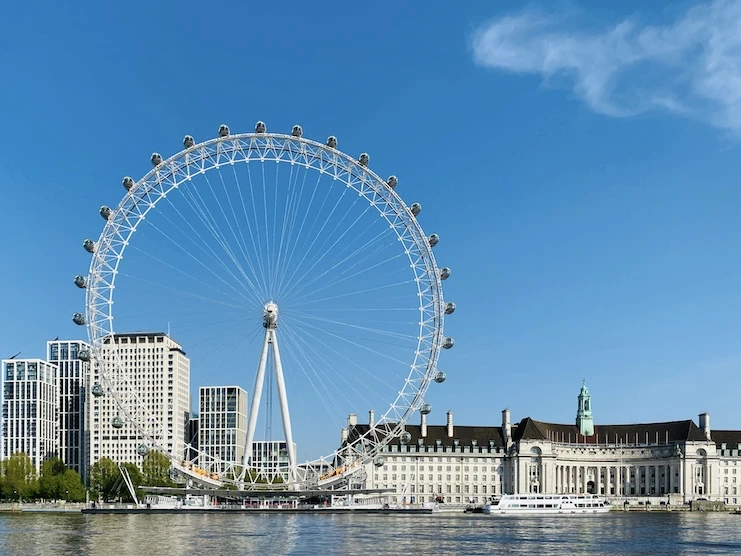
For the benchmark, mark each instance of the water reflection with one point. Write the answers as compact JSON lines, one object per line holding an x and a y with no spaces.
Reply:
{"x":239,"y":533}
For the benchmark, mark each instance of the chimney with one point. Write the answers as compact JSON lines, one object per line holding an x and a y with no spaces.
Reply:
{"x":450,"y":424}
{"x":506,"y":428}
{"x":352,"y":420}
{"x":705,"y":424}
{"x":371,"y":418}
{"x":423,"y":425}
{"x":343,"y":436}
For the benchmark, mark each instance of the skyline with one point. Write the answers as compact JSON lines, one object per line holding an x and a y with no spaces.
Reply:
{"x":588,"y":238}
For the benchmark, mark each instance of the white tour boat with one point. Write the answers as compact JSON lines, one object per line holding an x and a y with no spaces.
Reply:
{"x":526,"y":504}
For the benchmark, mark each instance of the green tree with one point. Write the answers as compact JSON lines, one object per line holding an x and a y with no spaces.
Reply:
{"x":156,"y":469}
{"x":71,"y":487}
{"x":104,"y":475}
{"x":50,"y":481}
{"x":20,"y":477}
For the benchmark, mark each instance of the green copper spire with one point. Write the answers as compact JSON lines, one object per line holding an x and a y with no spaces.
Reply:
{"x":584,"y":412}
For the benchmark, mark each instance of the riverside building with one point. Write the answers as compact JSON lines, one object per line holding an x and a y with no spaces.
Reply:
{"x":160,"y":371}
{"x":30,"y":417}
{"x":673,"y":462}
{"x":71,"y":376}
{"x":222,"y":425}
{"x":270,"y":458}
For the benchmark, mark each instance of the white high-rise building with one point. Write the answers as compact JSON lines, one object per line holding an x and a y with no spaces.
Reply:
{"x":222,"y":427}
{"x":160,"y":369}
{"x":71,"y":376}
{"x":30,"y":398}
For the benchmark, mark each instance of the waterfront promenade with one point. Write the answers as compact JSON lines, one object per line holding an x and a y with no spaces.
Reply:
{"x":619,"y":505}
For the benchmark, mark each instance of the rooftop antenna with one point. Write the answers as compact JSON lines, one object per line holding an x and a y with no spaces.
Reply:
{"x":168,"y":328}
{"x":16,"y":355}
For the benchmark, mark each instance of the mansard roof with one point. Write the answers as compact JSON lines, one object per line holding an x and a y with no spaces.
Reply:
{"x":465,"y":435}
{"x":732,"y":439}
{"x":645,"y":433}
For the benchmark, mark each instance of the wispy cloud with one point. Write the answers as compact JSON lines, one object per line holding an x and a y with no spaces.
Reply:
{"x":690,"y":66}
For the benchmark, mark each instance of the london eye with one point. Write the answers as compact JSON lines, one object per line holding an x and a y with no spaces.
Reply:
{"x":283,"y":265}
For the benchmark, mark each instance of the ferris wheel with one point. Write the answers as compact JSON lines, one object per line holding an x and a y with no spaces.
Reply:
{"x":247,"y":238}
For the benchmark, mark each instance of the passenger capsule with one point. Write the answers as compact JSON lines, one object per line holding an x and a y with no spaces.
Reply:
{"x":364,"y":159}
{"x":128,"y":183}
{"x":433,"y":239}
{"x":379,"y":461}
{"x":425,"y":409}
{"x":156,"y":159}
{"x":188,"y":141}
{"x":332,"y":142}
{"x":105,"y":212}
{"x":448,"y":343}
{"x":416,"y":208}
{"x":440,"y":377}
{"x":83,"y":355}
{"x":78,"y":318}
{"x":444,"y":273}
{"x":223,"y":130}
{"x":392,"y":182}
{"x":260,"y":127}
{"x":297,"y":131}
{"x":449,"y":308}
{"x":405,"y":437}
{"x":142,"y":450}
{"x":117,"y":422}
{"x":97,"y":390}
{"x":89,"y":245}
{"x":80,"y":281}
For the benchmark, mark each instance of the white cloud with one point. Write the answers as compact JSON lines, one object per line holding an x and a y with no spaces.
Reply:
{"x":691,"y":66}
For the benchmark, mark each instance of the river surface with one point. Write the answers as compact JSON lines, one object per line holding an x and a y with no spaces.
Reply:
{"x":651,"y":533}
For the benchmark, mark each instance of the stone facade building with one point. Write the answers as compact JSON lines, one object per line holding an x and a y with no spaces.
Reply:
{"x":673,"y":462}
{"x":161,"y":371}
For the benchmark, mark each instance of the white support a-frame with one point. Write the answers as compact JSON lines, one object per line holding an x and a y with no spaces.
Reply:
{"x":270,"y":323}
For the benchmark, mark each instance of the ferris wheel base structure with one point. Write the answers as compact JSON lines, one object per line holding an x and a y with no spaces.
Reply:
{"x":177,"y":177}
{"x":262,"y":493}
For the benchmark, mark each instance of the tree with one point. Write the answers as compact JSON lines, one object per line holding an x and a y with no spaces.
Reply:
{"x":104,"y":474}
{"x":20,"y":477}
{"x":50,"y":481}
{"x":70,"y":484}
{"x":156,"y":469}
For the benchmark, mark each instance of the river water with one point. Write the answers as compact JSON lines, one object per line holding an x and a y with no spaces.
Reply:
{"x":651,"y":533}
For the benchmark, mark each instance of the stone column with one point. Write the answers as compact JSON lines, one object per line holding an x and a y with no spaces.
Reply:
{"x":626,"y":484}
{"x":667,"y":470}
{"x":569,"y":477}
{"x":708,"y":480}
{"x":584,"y":479}
{"x":606,"y":480}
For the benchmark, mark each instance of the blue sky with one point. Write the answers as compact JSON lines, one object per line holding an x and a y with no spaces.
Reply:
{"x":579,"y":164}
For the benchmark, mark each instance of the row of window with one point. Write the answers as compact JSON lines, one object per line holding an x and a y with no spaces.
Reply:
{"x":421,"y":467}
